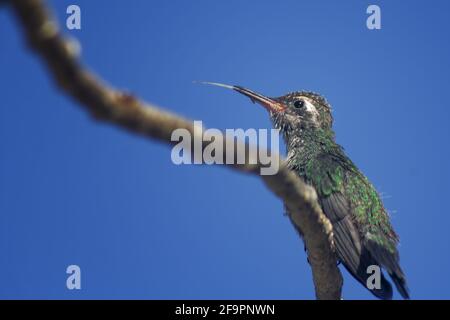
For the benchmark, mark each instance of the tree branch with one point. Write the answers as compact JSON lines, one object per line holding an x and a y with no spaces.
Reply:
{"x":126,"y":111}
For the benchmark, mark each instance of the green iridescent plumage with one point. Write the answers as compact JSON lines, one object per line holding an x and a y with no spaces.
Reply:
{"x":331,"y":171}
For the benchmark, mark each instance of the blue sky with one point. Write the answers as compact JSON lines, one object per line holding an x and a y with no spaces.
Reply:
{"x":75,"y":191}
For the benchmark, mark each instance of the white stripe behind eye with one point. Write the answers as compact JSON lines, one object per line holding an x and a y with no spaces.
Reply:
{"x":311,"y":108}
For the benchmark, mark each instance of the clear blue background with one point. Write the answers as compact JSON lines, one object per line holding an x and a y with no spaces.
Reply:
{"x":74,"y":191}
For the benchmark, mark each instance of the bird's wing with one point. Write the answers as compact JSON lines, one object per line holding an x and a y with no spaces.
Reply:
{"x":379,"y":238}
{"x":350,"y":248}
{"x":327,"y":174}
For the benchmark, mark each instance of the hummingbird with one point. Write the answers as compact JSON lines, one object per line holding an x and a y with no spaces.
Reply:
{"x":363,"y":234}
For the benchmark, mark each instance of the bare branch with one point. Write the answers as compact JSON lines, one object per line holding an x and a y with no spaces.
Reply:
{"x":126,"y":111}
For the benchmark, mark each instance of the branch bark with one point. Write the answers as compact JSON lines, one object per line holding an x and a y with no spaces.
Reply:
{"x":126,"y":111}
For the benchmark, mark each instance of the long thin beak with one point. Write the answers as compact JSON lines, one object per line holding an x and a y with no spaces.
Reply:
{"x":268,"y":103}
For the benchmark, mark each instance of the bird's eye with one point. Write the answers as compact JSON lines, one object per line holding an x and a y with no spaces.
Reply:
{"x":298,"y":104}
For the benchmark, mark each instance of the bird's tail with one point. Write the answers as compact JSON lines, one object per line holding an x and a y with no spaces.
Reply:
{"x":390,"y":262}
{"x":385,"y":289}
{"x":400,"y":283}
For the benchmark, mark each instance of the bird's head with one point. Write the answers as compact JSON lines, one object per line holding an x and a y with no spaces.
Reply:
{"x":295,"y":113}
